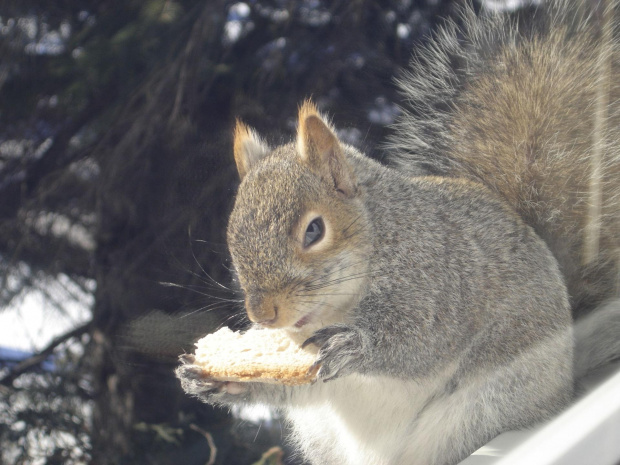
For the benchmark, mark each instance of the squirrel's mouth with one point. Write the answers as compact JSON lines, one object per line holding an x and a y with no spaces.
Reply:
{"x":303,"y":321}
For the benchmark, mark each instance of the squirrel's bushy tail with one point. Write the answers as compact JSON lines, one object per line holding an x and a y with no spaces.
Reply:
{"x":532,"y":110}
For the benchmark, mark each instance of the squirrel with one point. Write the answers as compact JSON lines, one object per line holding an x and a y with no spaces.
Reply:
{"x":445,"y":290}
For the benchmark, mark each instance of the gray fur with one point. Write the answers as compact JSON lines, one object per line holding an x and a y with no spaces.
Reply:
{"x":439,"y":303}
{"x":461,"y":291}
{"x":596,"y":338}
{"x":513,"y":106}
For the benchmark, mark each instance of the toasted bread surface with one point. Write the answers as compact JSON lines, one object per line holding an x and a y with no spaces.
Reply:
{"x":256,"y":355}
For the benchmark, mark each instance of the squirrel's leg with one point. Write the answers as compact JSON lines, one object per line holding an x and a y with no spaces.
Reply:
{"x":213,"y":391}
{"x":343,"y":350}
{"x":354,"y":348}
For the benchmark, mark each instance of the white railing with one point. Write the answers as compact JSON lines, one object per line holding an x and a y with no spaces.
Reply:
{"x":588,"y":433}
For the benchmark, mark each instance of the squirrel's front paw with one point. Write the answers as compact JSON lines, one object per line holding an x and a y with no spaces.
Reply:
{"x":341,"y":351}
{"x":195,"y":383}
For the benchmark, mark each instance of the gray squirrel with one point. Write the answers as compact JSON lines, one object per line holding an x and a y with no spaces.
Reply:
{"x":463,"y":290}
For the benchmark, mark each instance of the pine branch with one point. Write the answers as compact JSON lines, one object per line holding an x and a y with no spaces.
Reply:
{"x":36,"y":359}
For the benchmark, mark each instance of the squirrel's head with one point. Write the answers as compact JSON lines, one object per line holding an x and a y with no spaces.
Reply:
{"x":298,"y":230}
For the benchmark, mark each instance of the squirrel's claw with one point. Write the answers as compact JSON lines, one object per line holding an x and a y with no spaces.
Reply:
{"x":341,"y":350}
{"x":320,"y":337}
{"x":195,"y":383}
{"x":187,"y":359}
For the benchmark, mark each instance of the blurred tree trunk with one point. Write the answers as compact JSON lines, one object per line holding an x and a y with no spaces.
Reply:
{"x":143,"y":224}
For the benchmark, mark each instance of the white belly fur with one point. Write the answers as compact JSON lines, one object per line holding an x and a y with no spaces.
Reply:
{"x":361,"y":420}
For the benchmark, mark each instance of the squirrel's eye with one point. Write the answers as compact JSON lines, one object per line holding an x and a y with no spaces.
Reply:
{"x":314,"y":232}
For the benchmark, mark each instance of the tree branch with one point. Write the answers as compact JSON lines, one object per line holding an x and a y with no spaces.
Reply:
{"x":209,"y":439}
{"x":43,"y":252}
{"x":22,"y":177}
{"x":36,"y":359}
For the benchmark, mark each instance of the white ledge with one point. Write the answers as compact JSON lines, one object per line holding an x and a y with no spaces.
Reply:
{"x":586,"y":433}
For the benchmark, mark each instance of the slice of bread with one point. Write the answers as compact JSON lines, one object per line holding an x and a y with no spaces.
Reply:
{"x":263,"y":355}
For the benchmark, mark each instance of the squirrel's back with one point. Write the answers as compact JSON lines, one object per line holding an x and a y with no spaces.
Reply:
{"x":532,"y":110}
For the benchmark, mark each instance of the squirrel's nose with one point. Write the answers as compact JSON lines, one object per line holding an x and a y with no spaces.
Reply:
{"x":261,"y":309}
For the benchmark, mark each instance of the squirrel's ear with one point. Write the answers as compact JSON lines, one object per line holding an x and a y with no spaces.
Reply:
{"x":321,"y":150}
{"x":249,"y":148}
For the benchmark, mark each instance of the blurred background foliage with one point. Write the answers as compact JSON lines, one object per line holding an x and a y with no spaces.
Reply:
{"x":116,"y":178}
